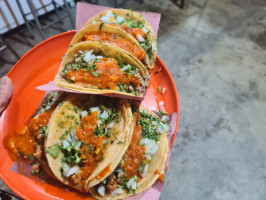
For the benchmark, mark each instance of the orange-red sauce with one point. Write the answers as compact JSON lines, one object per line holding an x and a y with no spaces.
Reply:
{"x":135,"y":153}
{"x":161,"y":176}
{"x":116,"y":40}
{"x":25,"y":137}
{"x":110,"y":74}
{"x":132,"y":31}
{"x":93,"y":148}
{"x":104,"y":172}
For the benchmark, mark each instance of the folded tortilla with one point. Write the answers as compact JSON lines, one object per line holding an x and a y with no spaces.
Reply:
{"x":87,"y":136}
{"x":100,"y":68}
{"x":115,"y":36}
{"x":133,"y":176}
{"x":134,"y":24}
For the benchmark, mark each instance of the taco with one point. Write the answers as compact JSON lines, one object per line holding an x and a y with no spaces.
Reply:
{"x":97,"y":68}
{"x":28,"y":141}
{"x":86,"y":136}
{"x":144,"y":161}
{"x":112,"y":35}
{"x":134,"y":24}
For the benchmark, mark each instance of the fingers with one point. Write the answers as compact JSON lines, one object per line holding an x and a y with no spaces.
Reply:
{"x":6,"y":91}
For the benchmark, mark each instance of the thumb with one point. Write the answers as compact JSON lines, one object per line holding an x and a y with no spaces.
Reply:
{"x":6,"y":91}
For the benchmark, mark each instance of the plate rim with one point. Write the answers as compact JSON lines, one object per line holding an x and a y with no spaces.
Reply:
{"x":17,"y":192}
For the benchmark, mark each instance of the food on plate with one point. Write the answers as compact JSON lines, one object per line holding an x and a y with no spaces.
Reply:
{"x":112,"y":35}
{"x":28,"y":141}
{"x":144,"y":161}
{"x":133,"y":24}
{"x":97,"y":68}
{"x":87,"y":137}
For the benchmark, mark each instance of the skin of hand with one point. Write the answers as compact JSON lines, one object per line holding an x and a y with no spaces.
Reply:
{"x":6,"y":91}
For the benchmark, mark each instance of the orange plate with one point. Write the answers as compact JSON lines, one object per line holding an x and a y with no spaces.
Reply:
{"x":38,"y":67}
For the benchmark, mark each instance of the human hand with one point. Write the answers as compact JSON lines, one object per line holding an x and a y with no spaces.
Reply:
{"x":6,"y":91}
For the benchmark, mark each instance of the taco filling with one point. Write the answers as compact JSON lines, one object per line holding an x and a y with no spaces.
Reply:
{"x":98,"y":72}
{"x":134,"y":165}
{"x":134,"y":27}
{"x":28,"y":141}
{"x":81,"y":136}
{"x":116,"y":40}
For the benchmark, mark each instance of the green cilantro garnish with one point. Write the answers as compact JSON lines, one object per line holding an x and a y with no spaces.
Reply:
{"x":159,"y":89}
{"x":53,"y":150}
{"x":95,"y":74}
{"x":101,"y":25}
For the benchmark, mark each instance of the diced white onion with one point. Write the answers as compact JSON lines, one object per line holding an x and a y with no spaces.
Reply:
{"x":93,"y":109}
{"x":161,"y":103}
{"x":154,"y":123}
{"x":117,"y":191}
{"x":42,"y":110}
{"x":99,"y":122}
{"x":94,"y":22}
{"x":110,"y":14}
{"x":101,"y":190}
{"x":65,"y":143}
{"x":163,"y":90}
{"x":163,"y":128}
{"x":84,"y":113}
{"x":73,"y":134}
{"x":125,"y":67}
{"x":153,"y":46}
{"x":77,"y":145}
{"x":119,"y":19}
{"x":106,"y":18}
{"x":68,"y":171}
{"x":140,"y":38}
{"x":131,"y":182}
{"x":145,"y":170}
{"x":164,"y":117}
{"x":69,"y":138}
{"x":72,"y":78}
{"x":104,"y":115}
{"x":134,"y":186}
{"x":88,"y":56}
{"x":151,"y":147}
{"x":81,"y":52}
{"x":145,"y":29}
{"x":110,"y":125}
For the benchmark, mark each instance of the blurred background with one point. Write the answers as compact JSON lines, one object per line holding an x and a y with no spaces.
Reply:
{"x":216,"y":53}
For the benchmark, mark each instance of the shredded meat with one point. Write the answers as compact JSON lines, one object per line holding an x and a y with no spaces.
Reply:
{"x":36,"y":168}
{"x":144,"y":82}
{"x":38,"y":153}
{"x":76,"y":179}
{"x":112,"y":184}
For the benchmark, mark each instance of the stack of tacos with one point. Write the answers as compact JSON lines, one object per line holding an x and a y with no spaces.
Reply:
{"x":111,"y":54}
{"x":91,"y":142}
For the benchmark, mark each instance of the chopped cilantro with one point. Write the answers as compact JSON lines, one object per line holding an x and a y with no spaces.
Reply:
{"x":53,"y":150}
{"x":161,"y":113}
{"x":30,"y":156}
{"x":159,"y":89}
{"x":43,"y":131}
{"x":76,"y":109}
{"x":101,"y":25}
{"x":95,"y":74}
{"x":63,"y":136}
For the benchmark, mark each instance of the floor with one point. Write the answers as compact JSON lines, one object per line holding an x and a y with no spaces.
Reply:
{"x":216,"y":53}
